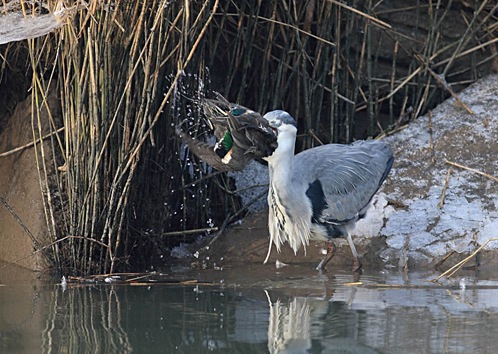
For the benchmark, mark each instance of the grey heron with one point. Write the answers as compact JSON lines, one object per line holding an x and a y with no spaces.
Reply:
{"x":320,"y":193}
{"x":242,"y":134}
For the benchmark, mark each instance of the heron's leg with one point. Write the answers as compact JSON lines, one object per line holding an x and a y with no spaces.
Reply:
{"x":328,"y":256}
{"x":357,"y":261}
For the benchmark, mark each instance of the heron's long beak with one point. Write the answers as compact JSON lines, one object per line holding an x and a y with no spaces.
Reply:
{"x":273,"y":126}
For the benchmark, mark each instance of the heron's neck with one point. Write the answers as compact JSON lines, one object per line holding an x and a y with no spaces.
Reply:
{"x":281,"y":162}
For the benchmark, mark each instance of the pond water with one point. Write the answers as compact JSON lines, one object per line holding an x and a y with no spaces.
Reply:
{"x":251,"y":309}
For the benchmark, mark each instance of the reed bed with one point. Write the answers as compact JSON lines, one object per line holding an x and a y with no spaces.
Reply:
{"x":119,"y":187}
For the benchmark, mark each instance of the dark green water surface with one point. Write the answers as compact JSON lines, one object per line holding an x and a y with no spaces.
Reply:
{"x":251,"y":309}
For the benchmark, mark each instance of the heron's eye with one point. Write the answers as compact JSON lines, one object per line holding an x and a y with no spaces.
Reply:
{"x":238,"y":111}
{"x":278,"y":123}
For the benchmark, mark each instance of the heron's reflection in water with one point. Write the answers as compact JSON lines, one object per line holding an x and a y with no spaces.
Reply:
{"x":306,"y":325}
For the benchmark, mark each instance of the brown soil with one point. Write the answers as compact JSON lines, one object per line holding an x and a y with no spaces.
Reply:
{"x":248,"y":243}
{"x":20,"y":187}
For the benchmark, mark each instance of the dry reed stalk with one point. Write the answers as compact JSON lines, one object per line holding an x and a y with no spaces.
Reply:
{"x":312,"y":133}
{"x":443,"y":194}
{"x":99,"y":108}
{"x":449,"y":90}
{"x":375,"y":20}
{"x":463,"y":38}
{"x":186,"y":232}
{"x":473,"y":170}
{"x":471,"y":50}
{"x":431,"y":146}
{"x":451,"y":271}
{"x":28,"y":145}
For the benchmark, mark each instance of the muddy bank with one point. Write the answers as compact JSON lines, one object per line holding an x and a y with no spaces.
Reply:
{"x":20,"y":186}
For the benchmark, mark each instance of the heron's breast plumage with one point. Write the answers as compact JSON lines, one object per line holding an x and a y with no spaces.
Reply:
{"x":289,"y":217}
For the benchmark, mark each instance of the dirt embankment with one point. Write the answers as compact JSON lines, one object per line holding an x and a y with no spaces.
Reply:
{"x":20,"y":185}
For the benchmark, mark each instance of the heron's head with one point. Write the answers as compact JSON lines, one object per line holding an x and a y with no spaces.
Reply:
{"x":281,"y":122}
{"x":285,"y":127}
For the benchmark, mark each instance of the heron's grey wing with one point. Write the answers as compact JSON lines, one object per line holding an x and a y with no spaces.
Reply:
{"x":340,"y":179}
{"x":235,"y":161}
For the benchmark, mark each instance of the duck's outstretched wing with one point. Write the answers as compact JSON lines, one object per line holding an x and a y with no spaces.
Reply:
{"x":216,"y":111}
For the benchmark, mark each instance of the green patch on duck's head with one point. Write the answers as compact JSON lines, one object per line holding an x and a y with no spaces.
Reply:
{"x":238,"y":111}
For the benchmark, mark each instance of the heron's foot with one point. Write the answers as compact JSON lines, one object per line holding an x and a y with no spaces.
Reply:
{"x":357,"y":265}
{"x":328,"y":256}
